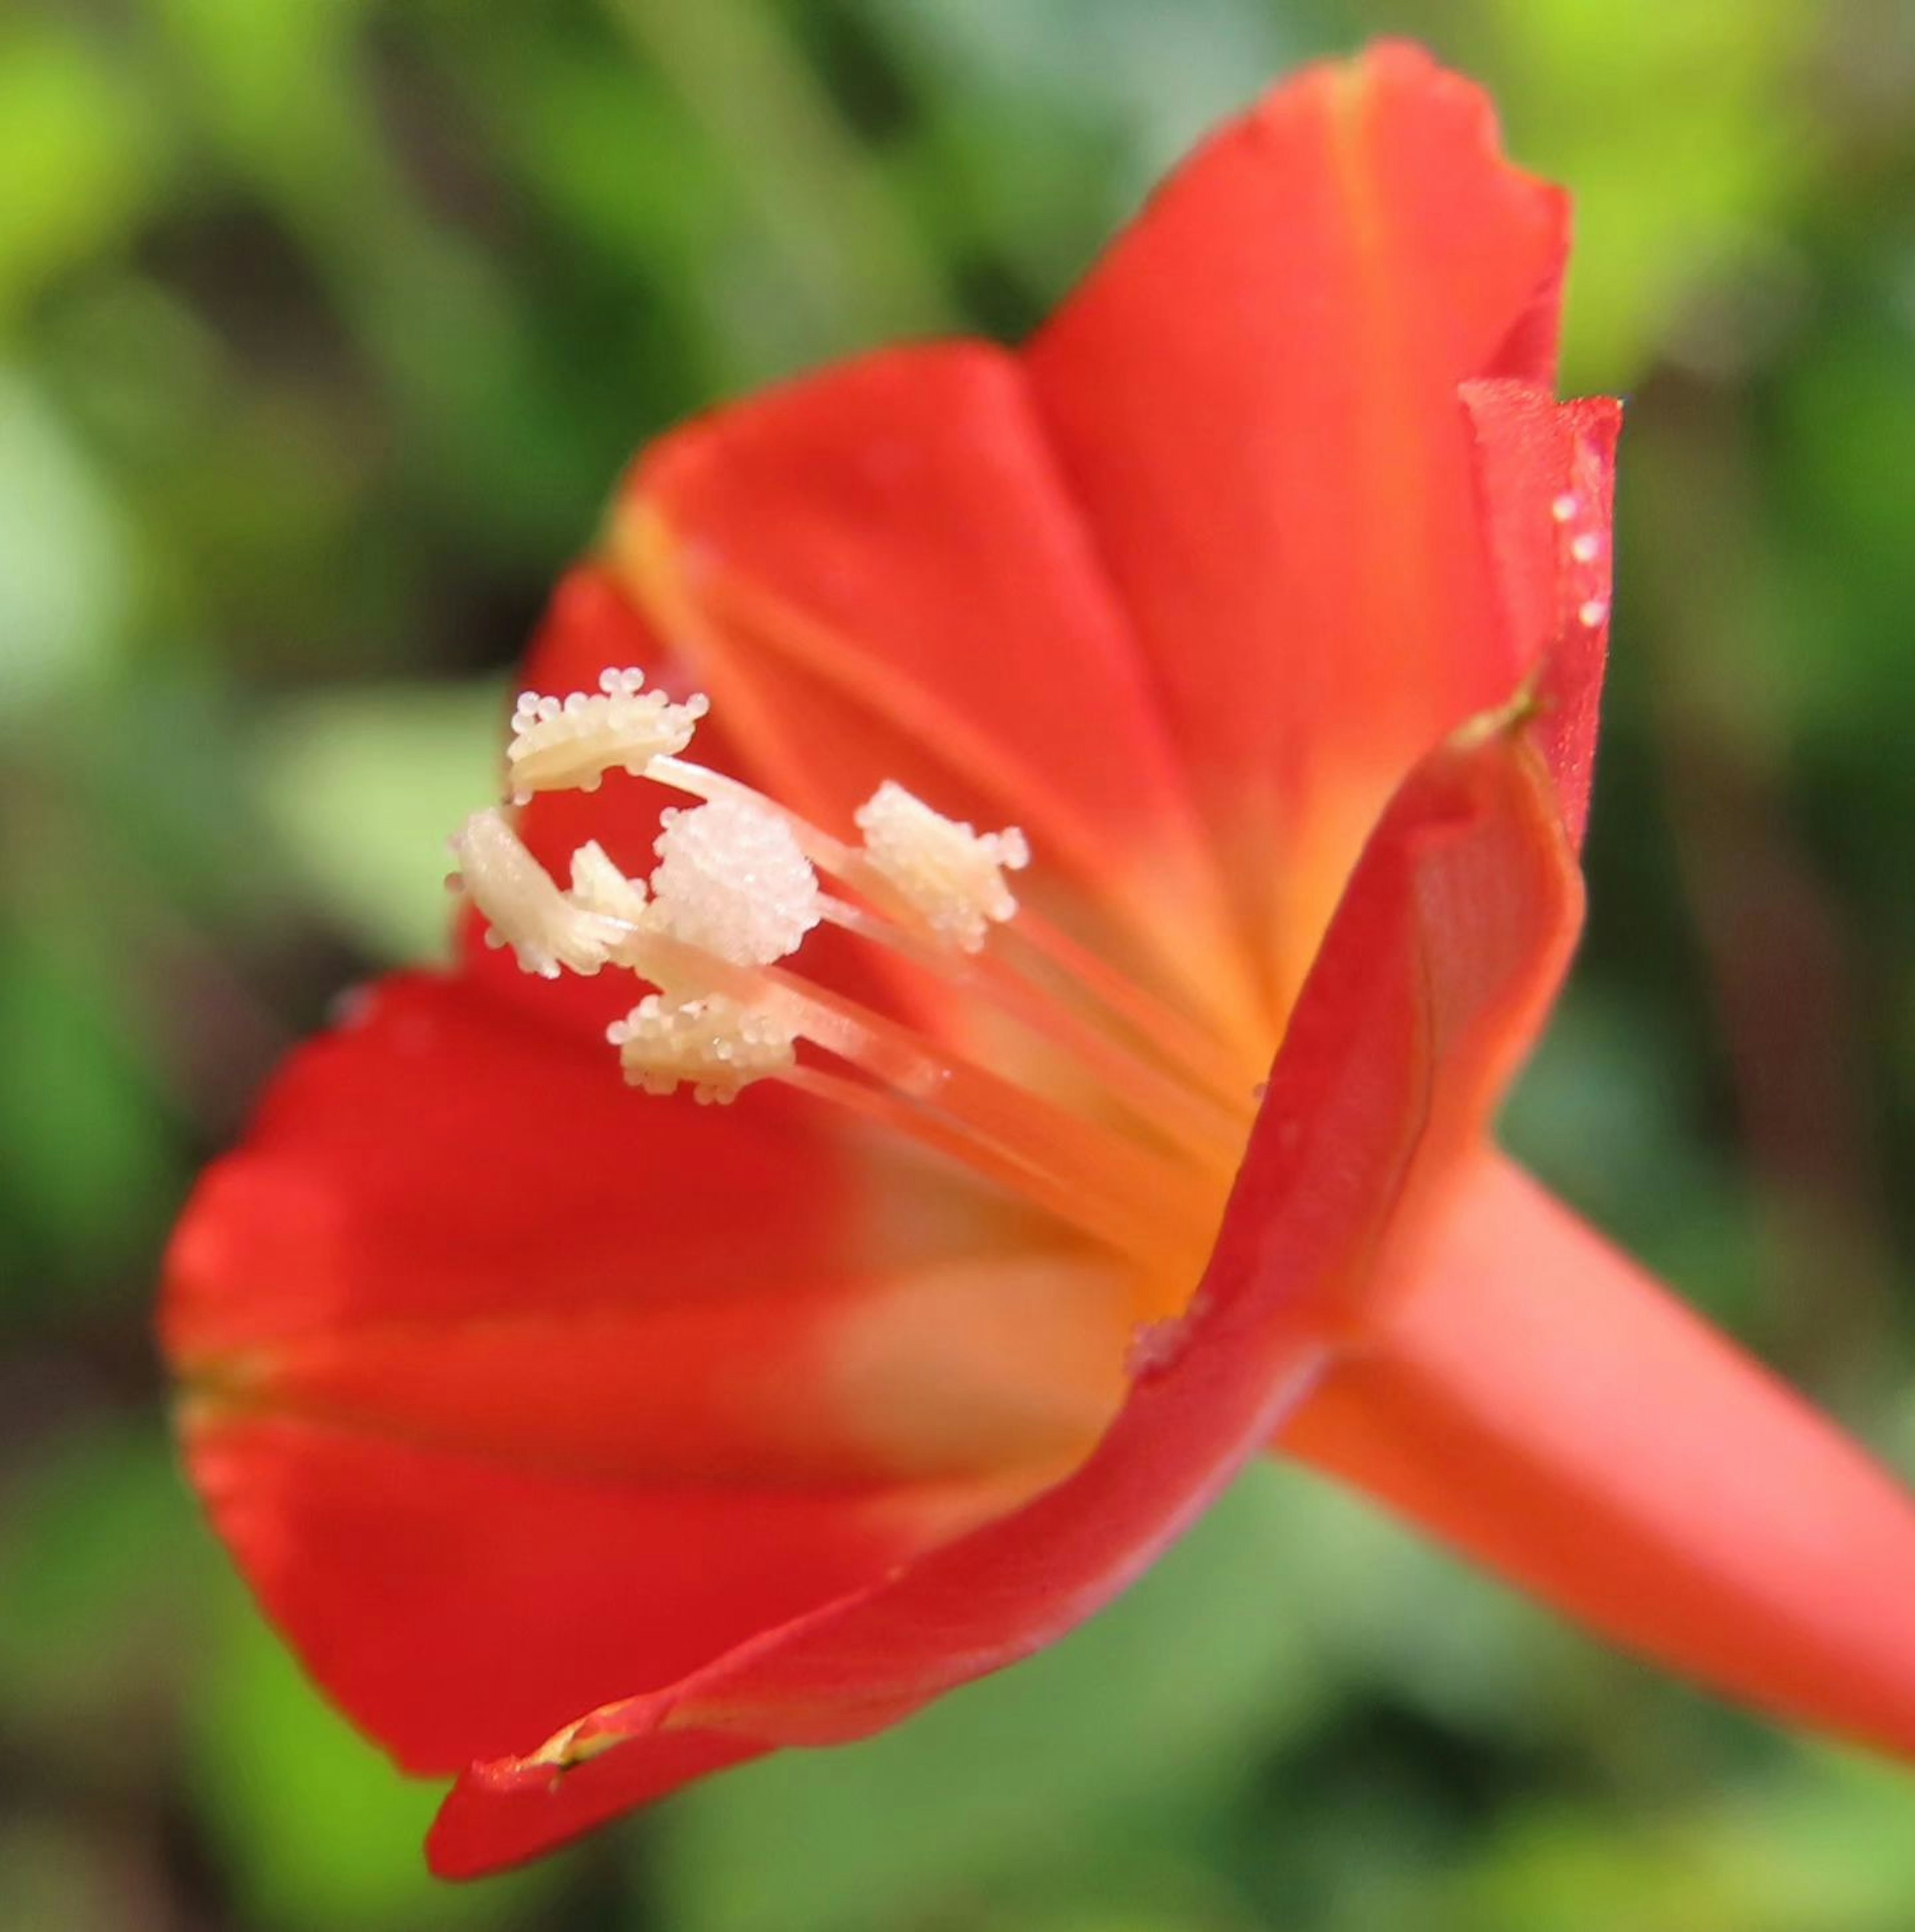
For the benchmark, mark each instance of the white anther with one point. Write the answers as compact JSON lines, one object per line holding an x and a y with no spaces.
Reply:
{"x":717,"y":1045}
{"x":1563,"y":508}
{"x":1585,"y":548}
{"x":732,"y":880}
{"x":1592,"y":612}
{"x":569,"y":745}
{"x":598,"y":886}
{"x":951,"y":877}
{"x":521,"y":906}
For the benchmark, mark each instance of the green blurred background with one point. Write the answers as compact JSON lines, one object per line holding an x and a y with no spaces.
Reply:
{"x":324,"y":326}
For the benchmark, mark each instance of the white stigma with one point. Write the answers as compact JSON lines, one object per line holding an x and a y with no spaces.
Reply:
{"x":717,"y":1045}
{"x":522,"y":908}
{"x":569,"y":744}
{"x":731,"y":880}
{"x":950,"y":875}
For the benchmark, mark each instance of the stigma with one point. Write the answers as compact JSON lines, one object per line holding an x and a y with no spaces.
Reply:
{"x":1135,"y":1121}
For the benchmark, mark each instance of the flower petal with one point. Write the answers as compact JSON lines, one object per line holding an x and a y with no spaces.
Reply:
{"x":1253,"y":398}
{"x":510,"y":1388}
{"x":1442,"y":957}
{"x":1545,"y":479}
{"x":876,"y":574}
{"x":1541,"y":1403}
{"x":450,"y":1603}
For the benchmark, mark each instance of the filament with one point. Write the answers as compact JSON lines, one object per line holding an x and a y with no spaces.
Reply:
{"x":1135,"y":1122}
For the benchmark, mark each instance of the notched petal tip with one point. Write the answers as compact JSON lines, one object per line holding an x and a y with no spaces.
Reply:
{"x":1399,"y":78}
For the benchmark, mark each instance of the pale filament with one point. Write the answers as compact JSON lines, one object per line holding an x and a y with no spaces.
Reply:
{"x":1013,"y":973}
{"x":737,"y":872}
{"x":1117,"y":1222}
{"x":1044,"y":1138}
{"x":1157,"y":1101}
{"x":725,"y":601}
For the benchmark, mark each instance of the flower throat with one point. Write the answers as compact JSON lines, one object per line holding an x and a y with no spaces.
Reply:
{"x":1142,"y":1116}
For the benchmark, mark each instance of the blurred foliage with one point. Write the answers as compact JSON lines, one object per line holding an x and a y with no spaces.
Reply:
{"x":325,"y":325}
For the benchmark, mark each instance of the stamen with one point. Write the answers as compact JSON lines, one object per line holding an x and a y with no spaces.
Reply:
{"x":951,"y":877}
{"x":1038,"y":948}
{"x":716,"y":1045}
{"x":1128,"y":1226}
{"x":522,"y":908}
{"x":736,"y":890}
{"x":828,"y":854}
{"x":1158,"y":1100}
{"x":598,"y":886}
{"x":1035,"y":961}
{"x":569,"y":745}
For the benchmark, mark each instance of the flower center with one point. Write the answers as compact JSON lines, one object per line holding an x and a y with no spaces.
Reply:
{"x":1095,"y":1101}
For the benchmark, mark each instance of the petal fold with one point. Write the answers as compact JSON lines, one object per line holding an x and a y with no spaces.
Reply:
{"x":1545,"y":481}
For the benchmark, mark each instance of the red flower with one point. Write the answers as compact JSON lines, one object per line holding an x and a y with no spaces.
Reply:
{"x":583,"y":1442}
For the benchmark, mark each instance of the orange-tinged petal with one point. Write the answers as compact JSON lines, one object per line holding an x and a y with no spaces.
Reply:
{"x":510,"y":1388}
{"x":1545,"y":479}
{"x":1444,"y":953}
{"x":1541,"y":1403}
{"x":1254,"y":398}
{"x":454,"y":1605}
{"x":877,"y":573}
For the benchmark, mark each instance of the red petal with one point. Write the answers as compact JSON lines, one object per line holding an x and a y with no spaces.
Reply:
{"x":511,"y":1388}
{"x":451,"y":1604}
{"x":1254,"y":399}
{"x":876,"y":574}
{"x":1441,"y":961}
{"x":1545,"y":476}
{"x":469,"y":1839}
{"x":1540,"y":1402}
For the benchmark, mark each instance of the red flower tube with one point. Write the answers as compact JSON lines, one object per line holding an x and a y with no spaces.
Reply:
{"x":583,"y":1441}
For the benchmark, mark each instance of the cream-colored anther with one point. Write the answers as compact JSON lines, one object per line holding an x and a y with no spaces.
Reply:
{"x":716,"y":1045}
{"x":951,"y":876}
{"x":731,"y":880}
{"x":568,"y":744}
{"x":522,"y":908}
{"x":598,"y":886}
